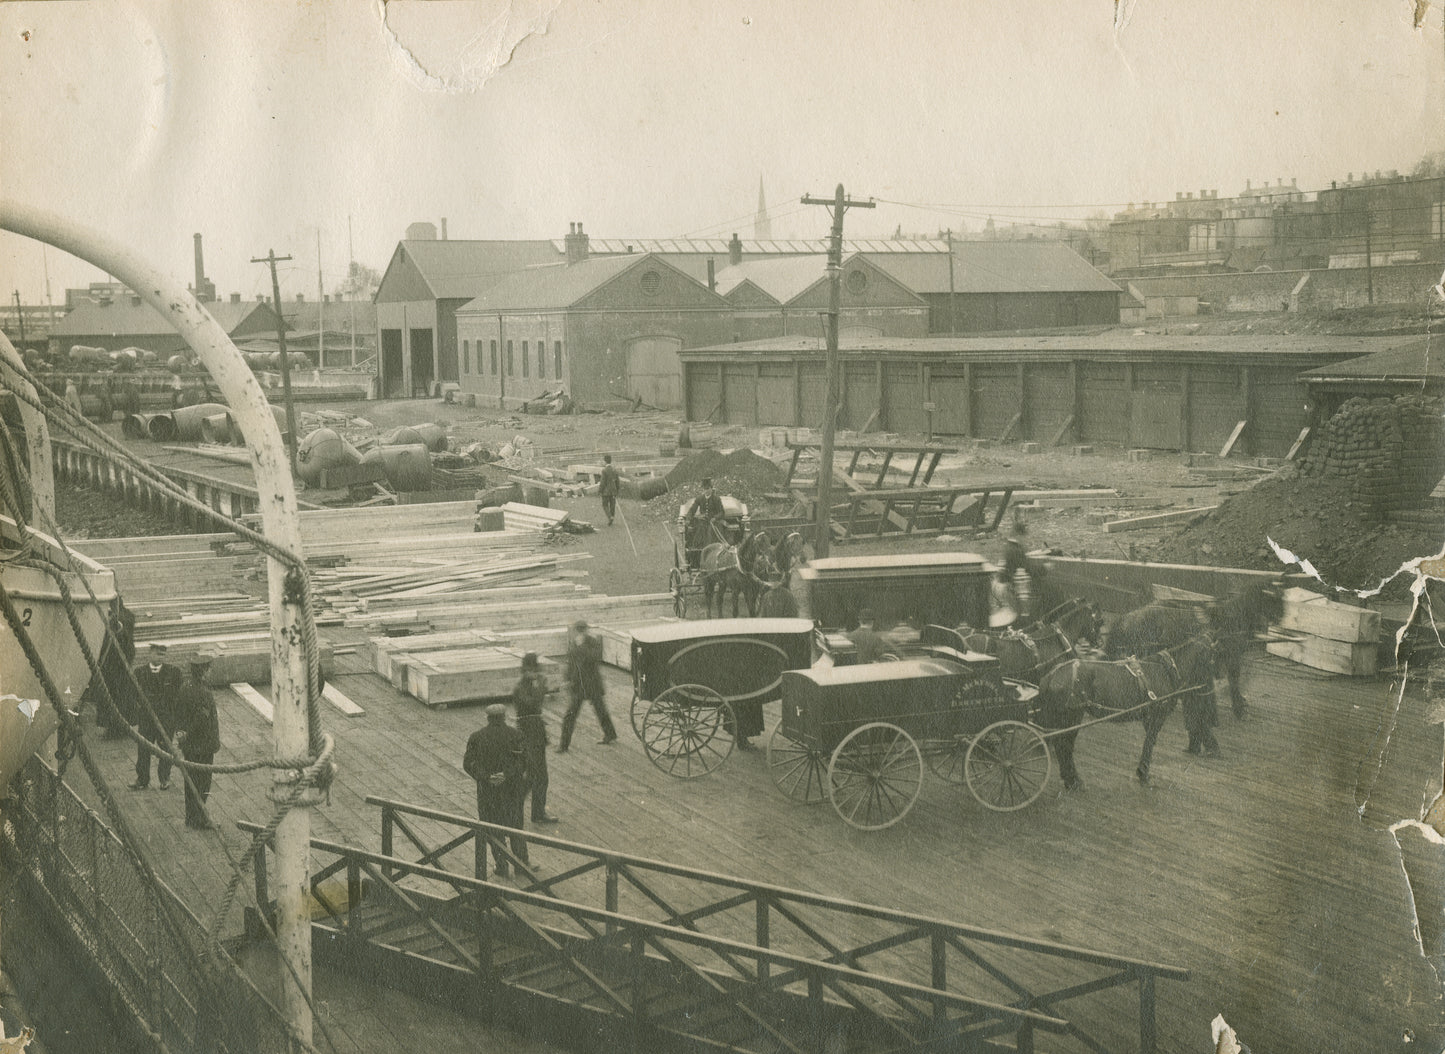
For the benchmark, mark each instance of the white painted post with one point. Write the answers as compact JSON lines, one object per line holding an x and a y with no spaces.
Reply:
{"x":277,"y":493}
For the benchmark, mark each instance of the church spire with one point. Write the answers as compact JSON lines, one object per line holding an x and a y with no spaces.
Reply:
{"x":762,"y":226}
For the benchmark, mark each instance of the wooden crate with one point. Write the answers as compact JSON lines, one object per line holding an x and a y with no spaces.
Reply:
{"x":1332,"y":656}
{"x":448,"y":678}
{"x":1318,"y":616}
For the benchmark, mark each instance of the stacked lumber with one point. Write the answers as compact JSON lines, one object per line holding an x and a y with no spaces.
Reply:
{"x":520,"y":517}
{"x":238,"y":656}
{"x":446,"y":678}
{"x":1327,"y":635}
{"x":514,"y":615}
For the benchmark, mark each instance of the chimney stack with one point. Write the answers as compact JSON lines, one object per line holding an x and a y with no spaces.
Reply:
{"x":575,"y":243}
{"x":235,"y":298}
{"x":711,"y":276}
{"x":260,"y":298}
{"x":735,"y":251}
{"x":444,"y":228}
{"x":135,"y":300}
{"x":300,"y":298}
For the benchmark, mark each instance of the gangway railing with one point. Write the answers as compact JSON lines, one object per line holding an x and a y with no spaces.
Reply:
{"x":646,"y":976}
{"x":1096,"y":992}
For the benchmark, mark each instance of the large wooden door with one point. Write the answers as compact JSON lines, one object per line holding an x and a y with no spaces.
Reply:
{"x":1156,"y":407}
{"x":654,"y":373}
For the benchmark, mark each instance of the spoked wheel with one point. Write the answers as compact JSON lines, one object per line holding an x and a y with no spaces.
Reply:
{"x":1007,"y":765}
{"x":685,"y":731}
{"x":947,"y":759}
{"x":638,"y":710}
{"x":800,"y":772}
{"x":875,"y":775}
{"x":679,"y":598}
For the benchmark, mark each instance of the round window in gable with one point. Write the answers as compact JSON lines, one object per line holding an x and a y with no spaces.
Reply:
{"x":857,"y":281}
{"x":651,"y":283}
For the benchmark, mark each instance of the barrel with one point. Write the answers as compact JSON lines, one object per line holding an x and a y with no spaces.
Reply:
{"x":408,"y":467}
{"x":216,"y":428}
{"x":433,"y":435}
{"x":403,"y":436}
{"x":323,"y":449}
{"x":188,"y":420}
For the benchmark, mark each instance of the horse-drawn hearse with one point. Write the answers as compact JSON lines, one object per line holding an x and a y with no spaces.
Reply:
{"x":989,"y":709}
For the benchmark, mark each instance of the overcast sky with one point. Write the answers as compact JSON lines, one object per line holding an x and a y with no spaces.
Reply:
{"x":259,"y":123}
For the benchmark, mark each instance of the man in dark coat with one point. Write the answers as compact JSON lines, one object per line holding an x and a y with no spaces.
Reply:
{"x":778,"y":601}
{"x":607,"y":490}
{"x":198,"y":736}
{"x":584,"y":684}
{"x":159,"y":686}
{"x":872,"y":646}
{"x":705,"y":512}
{"x":117,"y":654}
{"x":496,"y":757}
{"x":527,"y":698}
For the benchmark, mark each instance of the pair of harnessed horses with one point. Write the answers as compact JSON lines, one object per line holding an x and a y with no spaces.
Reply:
{"x":728,"y":568}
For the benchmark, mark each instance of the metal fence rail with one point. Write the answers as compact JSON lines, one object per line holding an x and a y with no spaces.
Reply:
{"x":148,"y":948}
{"x":654,"y":981}
{"x":899,"y":968}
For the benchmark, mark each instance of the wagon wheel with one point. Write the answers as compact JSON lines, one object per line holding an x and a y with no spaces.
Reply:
{"x":1007,"y":765}
{"x":675,"y":587}
{"x":947,"y":758}
{"x":685,"y":731}
{"x":800,"y":772}
{"x":875,"y":775}
{"x":638,"y":709}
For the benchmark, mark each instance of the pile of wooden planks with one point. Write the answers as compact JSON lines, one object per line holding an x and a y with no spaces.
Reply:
{"x":1327,"y":635}
{"x":519,"y":517}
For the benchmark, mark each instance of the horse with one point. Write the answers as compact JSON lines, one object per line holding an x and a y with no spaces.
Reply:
{"x":1094,"y":687}
{"x":722,"y":573}
{"x":755,"y":557}
{"x":1030,"y":652}
{"x":1232,"y":619}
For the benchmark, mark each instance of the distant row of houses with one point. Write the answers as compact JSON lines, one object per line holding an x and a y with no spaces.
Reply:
{"x":606,"y":320}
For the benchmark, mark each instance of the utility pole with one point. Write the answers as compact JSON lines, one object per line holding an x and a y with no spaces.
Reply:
{"x":20,"y":317}
{"x":351,"y":285}
{"x":952,"y":297}
{"x":1369,"y":257}
{"x":320,"y":308}
{"x":840,"y":203}
{"x":272,"y":259}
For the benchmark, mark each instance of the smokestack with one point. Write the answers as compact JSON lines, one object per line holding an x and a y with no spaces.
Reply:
{"x":576,"y":243}
{"x":200,"y":264}
{"x":444,"y":228}
{"x":711,"y":276}
{"x":735,"y":251}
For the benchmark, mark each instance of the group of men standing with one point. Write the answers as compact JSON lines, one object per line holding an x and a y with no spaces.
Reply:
{"x":509,"y":764}
{"x":164,"y":706}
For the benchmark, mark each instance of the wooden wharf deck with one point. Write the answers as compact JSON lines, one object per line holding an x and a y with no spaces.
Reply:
{"x":1273,"y":874}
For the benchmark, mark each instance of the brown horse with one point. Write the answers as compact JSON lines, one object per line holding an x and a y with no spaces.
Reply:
{"x":1071,"y":692}
{"x":722,"y":573}
{"x":1032,"y":651}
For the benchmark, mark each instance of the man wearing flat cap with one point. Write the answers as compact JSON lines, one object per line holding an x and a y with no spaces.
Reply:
{"x":584,"y":685}
{"x":496,"y":758}
{"x":198,"y":735}
{"x":158,"y":687}
{"x":527,"y":699}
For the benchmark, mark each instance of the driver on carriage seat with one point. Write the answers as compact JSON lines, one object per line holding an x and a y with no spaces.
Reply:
{"x":705,"y":514}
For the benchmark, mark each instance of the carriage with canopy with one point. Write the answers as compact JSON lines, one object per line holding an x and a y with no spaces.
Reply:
{"x":687,"y":581}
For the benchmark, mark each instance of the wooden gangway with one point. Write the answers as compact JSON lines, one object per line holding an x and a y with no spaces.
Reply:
{"x":659,"y":955}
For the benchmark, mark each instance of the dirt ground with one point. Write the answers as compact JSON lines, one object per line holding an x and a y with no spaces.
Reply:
{"x":635,"y":554}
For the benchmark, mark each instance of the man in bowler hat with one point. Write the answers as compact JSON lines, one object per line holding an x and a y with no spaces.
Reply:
{"x":527,"y":699}
{"x":584,"y":684}
{"x":159,"y":685}
{"x":198,"y":736}
{"x":496,"y":757}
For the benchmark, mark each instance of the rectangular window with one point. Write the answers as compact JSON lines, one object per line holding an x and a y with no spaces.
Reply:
{"x":1437,"y":220}
{"x":525,"y":367}
{"x":510,"y":367}
{"x":558,"y":349}
{"x":494,"y":357}
{"x":541,"y":358}
{"x":466,"y":356}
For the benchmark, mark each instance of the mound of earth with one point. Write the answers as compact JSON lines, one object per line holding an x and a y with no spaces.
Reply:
{"x":755,"y":474}
{"x":1316,"y":518}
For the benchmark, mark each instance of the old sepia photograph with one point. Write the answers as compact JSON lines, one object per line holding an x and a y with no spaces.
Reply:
{"x":773,"y":528}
